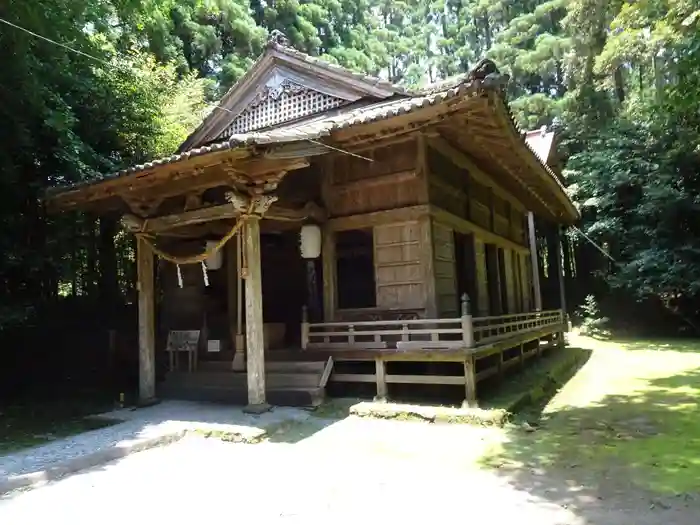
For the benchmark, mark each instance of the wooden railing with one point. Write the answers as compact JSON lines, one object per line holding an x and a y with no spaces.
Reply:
{"x":460,"y":332}
{"x":494,"y":328}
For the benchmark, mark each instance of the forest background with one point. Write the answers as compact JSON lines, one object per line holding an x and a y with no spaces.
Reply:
{"x":619,"y":82}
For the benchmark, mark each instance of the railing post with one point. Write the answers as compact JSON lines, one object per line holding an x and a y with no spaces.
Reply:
{"x":304,"y":327}
{"x":467,"y":325}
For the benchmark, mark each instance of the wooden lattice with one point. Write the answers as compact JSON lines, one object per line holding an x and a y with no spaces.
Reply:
{"x":275,"y":105}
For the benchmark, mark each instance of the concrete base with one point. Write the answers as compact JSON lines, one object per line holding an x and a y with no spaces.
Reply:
{"x":238,"y":364}
{"x":143,"y":403}
{"x":257,"y":409}
{"x":466,"y":404}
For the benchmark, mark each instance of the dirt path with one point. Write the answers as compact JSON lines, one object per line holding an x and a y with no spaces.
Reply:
{"x":319,"y":472}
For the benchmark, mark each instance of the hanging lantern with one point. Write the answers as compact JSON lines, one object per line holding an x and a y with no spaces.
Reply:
{"x":310,"y":241}
{"x":215,"y":260}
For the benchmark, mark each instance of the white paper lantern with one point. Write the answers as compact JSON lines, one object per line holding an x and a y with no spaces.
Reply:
{"x":310,"y":241}
{"x":215,"y":260}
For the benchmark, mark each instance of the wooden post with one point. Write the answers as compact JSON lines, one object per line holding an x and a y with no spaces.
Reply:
{"x":467,"y":326}
{"x":255,"y":342}
{"x":328,"y":262}
{"x":234,"y":302}
{"x":304,"y":328}
{"x":536,"y":292}
{"x":470,"y":383}
{"x":380,"y":373}
{"x":522,"y":355}
{"x":427,"y":252}
{"x":500,"y":365}
{"x":147,"y":338}
{"x":562,"y":286}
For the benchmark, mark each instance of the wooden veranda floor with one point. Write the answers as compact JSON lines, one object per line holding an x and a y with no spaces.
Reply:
{"x":298,"y":377}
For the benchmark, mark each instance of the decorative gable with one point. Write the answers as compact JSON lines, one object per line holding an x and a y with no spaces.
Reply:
{"x":280,"y":100}
{"x":285,"y":85}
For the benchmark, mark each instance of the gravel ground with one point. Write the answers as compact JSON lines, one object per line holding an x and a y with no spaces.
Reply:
{"x":317,"y":471}
{"x":197,"y":480}
{"x":144,"y":423}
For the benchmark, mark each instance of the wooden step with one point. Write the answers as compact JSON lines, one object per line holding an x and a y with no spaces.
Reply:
{"x":230,"y":379}
{"x":294,"y":367}
{"x":300,"y":397}
{"x":287,"y":383}
{"x":291,"y":367}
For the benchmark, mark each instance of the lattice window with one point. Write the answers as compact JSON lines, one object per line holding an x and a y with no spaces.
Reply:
{"x":286,"y":102}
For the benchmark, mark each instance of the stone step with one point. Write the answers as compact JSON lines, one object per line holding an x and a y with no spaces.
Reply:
{"x":301,"y":397}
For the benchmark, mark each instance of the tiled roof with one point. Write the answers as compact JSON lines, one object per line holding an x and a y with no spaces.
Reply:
{"x":540,"y":141}
{"x":312,"y":128}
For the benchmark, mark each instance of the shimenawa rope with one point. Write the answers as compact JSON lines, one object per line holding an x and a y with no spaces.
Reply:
{"x":201,"y":257}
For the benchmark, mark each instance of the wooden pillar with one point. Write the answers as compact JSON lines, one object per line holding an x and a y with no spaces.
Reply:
{"x":233,"y":298}
{"x":562,"y":286}
{"x":427,"y":254}
{"x":560,"y":270}
{"x":328,"y":261}
{"x":536,"y":292}
{"x":147,"y":338}
{"x":254,"y":318}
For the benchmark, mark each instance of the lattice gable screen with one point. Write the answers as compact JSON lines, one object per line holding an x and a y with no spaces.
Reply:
{"x":280,"y":101}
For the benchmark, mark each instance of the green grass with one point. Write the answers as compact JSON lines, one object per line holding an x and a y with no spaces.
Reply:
{"x":630,"y":413}
{"x":28,"y":424}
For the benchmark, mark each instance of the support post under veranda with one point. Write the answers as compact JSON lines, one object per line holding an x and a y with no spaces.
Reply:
{"x":147,"y":339}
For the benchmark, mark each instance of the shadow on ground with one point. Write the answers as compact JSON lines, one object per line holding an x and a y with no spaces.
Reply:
{"x":624,"y":432}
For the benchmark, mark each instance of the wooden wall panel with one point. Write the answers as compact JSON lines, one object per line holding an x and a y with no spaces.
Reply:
{"x":480,"y":214}
{"x":510,"y":280}
{"x":445,"y":271}
{"x":391,"y":180}
{"x":398,"y":266}
{"x":482,"y":308}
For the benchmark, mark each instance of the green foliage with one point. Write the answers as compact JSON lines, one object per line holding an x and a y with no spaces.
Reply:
{"x":619,"y":79}
{"x":592,"y":322}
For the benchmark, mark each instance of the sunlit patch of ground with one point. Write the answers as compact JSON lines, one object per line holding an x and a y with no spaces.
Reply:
{"x":630,"y":413}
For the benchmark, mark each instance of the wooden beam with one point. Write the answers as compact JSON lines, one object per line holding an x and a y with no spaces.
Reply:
{"x":260,"y":167}
{"x":369,"y":220}
{"x":379,"y":180}
{"x":221,"y":212}
{"x":255,"y":344}
{"x":147,"y":340}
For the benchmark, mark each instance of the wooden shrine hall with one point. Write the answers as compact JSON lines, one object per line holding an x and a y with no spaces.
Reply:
{"x":325,"y":226}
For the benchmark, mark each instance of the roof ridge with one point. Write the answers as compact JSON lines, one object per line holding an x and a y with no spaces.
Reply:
{"x":337,"y":68}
